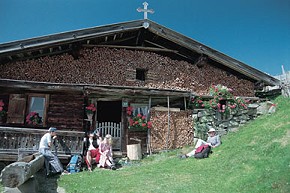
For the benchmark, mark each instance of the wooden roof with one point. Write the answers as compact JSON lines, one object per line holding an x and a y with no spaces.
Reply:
{"x":137,"y":35}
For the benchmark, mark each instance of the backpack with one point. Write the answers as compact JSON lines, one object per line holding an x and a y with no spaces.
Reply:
{"x":75,"y":164}
{"x":202,"y":151}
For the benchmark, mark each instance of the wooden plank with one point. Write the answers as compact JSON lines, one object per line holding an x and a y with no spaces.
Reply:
{"x":166,"y":109}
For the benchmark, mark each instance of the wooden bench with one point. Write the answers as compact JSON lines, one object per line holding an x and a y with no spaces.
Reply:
{"x":16,"y":142}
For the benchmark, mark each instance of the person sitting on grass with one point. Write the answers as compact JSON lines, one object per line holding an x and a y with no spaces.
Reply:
{"x":105,"y":149}
{"x":213,"y":140}
{"x":93,"y":155}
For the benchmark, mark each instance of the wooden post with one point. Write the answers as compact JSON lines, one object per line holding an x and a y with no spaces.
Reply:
{"x":18,"y":173}
{"x":149,"y":130}
{"x":168,"y":131}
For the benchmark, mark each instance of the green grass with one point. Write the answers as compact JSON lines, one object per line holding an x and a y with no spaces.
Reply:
{"x":256,"y":158}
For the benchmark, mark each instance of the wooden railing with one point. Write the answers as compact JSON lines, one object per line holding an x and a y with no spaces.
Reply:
{"x":15,"y":141}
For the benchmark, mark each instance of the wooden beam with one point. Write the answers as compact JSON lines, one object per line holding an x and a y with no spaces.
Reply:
{"x":18,"y":173}
{"x":152,"y":43}
{"x":136,"y":48}
{"x":165,"y":109}
{"x":135,"y":92}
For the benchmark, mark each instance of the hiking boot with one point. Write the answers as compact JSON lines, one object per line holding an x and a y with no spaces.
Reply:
{"x":183,"y":156}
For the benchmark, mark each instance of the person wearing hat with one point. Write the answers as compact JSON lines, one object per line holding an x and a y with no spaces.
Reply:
{"x":213,"y":140}
{"x":51,"y":160}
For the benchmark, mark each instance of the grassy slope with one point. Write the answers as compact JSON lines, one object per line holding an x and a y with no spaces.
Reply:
{"x":254,"y":159}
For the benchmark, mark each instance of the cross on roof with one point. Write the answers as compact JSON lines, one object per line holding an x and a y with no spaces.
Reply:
{"x":145,"y":10}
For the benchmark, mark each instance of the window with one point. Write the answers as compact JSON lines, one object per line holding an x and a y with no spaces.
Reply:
{"x":141,"y":74}
{"x":38,"y":104}
{"x":140,"y":108}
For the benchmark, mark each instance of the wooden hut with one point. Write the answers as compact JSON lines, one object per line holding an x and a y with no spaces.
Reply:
{"x":138,"y":64}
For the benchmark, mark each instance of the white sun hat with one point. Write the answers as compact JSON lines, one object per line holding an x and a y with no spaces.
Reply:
{"x":211,"y":130}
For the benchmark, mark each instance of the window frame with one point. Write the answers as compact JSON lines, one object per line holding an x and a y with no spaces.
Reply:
{"x":45,"y":108}
{"x":140,"y":105}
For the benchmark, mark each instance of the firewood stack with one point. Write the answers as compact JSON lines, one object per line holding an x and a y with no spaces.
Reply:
{"x":108,"y":66}
{"x":180,"y":134}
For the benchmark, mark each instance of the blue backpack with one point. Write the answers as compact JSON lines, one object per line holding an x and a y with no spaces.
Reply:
{"x":74,"y":164}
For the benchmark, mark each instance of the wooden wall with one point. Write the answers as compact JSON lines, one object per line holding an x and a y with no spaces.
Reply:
{"x":66,"y":111}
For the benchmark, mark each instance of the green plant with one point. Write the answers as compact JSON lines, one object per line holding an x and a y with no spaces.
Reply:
{"x":223,"y":100}
{"x":197,"y":102}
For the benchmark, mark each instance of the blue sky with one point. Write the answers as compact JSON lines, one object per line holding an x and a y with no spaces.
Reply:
{"x":256,"y":32}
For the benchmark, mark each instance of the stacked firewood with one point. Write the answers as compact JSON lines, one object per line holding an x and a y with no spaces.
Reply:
{"x":108,"y":66}
{"x":179,"y":134}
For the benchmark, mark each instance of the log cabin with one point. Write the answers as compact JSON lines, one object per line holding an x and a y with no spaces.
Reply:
{"x":138,"y":64}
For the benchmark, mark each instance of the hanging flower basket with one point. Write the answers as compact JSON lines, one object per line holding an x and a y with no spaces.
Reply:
{"x":90,"y":110}
{"x":90,"y":117}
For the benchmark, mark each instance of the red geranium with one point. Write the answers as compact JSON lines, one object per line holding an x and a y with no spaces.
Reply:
{"x":91,"y":109}
{"x":139,"y":121}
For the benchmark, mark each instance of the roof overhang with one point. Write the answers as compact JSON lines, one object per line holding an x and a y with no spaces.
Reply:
{"x":87,"y":89}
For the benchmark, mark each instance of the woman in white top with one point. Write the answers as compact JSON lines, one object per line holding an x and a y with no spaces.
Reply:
{"x":106,"y":152}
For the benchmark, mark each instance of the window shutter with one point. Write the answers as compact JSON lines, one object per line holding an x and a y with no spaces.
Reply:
{"x":16,"y":109}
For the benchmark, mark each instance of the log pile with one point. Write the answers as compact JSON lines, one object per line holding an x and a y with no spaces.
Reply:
{"x":180,"y":134}
{"x":118,"y":67}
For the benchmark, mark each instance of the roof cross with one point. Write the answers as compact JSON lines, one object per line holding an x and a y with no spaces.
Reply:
{"x":145,"y":10}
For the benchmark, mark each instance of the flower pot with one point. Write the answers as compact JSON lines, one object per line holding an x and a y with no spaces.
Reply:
{"x":90,"y":117}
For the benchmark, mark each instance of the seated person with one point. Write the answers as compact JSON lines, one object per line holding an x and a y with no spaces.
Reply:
{"x":94,"y":137}
{"x":213,"y":140}
{"x":93,"y":155}
{"x":106,"y":152}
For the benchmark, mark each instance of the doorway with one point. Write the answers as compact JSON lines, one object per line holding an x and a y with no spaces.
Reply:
{"x":109,"y":111}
